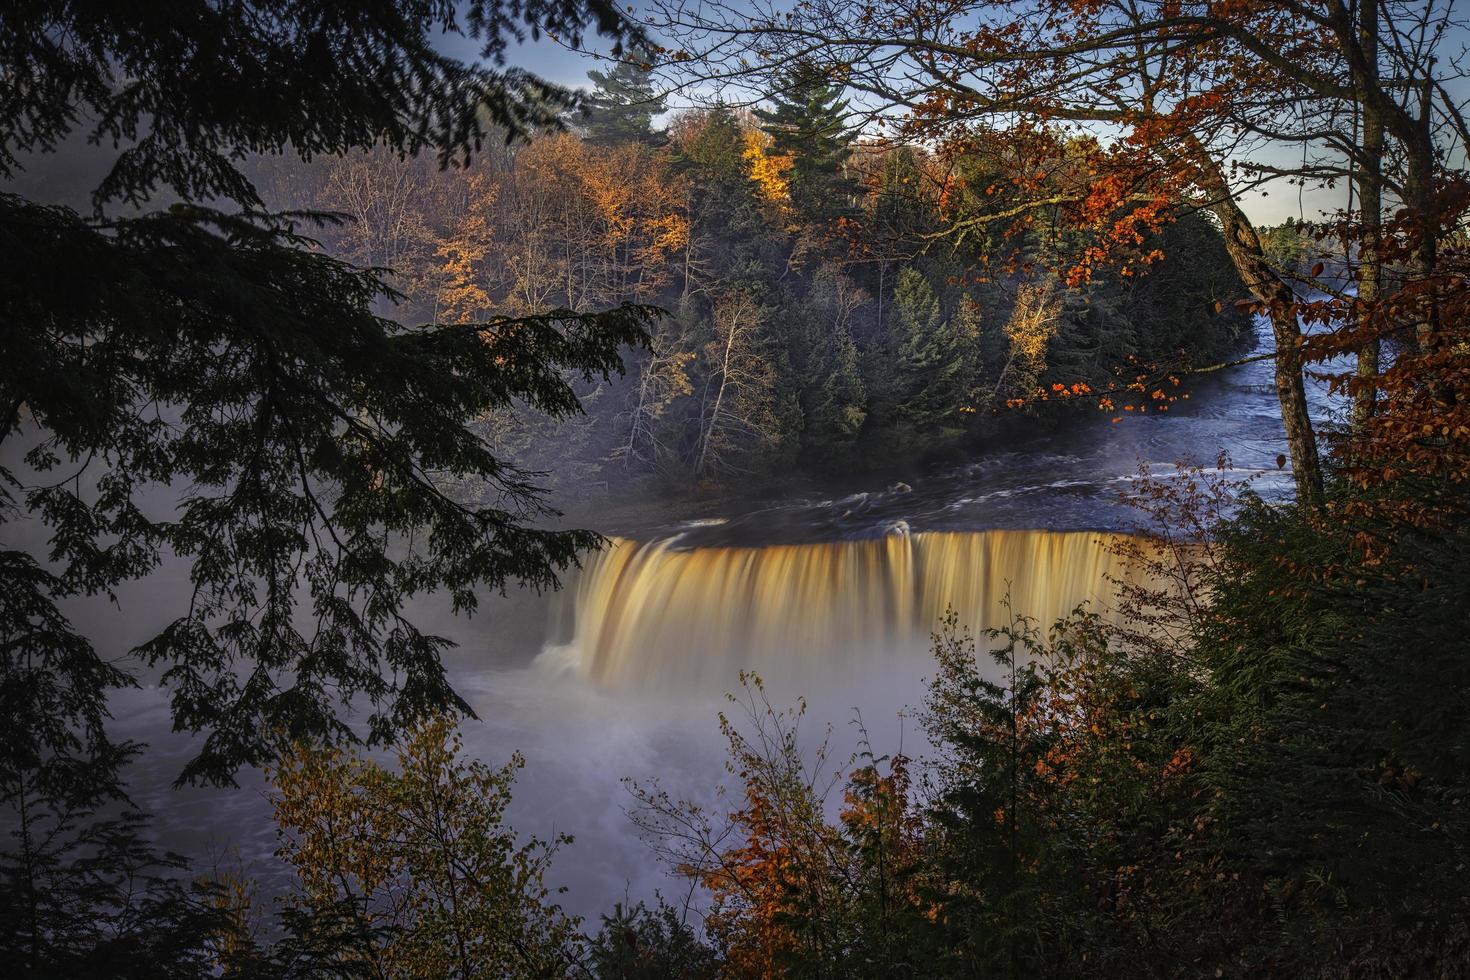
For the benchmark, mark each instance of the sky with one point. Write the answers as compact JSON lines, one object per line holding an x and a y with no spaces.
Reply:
{"x":554,"y":62}
{"x":1267,"y":205}
{"x":545,"y":58}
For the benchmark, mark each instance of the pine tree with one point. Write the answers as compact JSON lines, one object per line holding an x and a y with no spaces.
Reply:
{"x":808,"y":123}
{"x":622,"y":105}
{"x":935,"y":356}
{"x":827,"y":362}
{"x":840,"y":408}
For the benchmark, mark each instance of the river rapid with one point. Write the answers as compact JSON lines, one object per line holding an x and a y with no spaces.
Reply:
{"x":829,"y":594}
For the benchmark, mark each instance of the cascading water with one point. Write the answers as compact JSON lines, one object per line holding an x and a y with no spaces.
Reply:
{"x":654,"y":617}
{"x":826,"y":611}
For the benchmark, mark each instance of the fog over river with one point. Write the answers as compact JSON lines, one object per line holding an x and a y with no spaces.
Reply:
{"x":829,"y":595}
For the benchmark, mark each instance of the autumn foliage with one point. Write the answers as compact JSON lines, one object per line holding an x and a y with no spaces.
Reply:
{"x":419,"y":859}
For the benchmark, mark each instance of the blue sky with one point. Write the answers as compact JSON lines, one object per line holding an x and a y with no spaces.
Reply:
{"x":545,"y":58}
{"x":1269,"y":205}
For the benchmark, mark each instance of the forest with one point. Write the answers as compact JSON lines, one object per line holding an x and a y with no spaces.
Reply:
{"x":344,"y":317}
{"x":816,"y":313}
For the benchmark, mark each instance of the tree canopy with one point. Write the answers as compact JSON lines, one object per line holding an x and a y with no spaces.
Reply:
{"x":623,"y":104}
{"x":209,"y":353}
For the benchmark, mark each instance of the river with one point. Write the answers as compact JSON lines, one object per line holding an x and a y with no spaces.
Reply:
{"x":829,"y":594}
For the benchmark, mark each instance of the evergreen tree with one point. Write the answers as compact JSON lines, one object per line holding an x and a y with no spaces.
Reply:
{"x":712,"y":153}
{"x":839,"y":409}
{"x":724,"y":205}
{"x":212,"y":353}
{"x":899,"y":215}
{"x":622,"y":105}
{"x":221,"y":354}
{"x":1286,"y":246}
{"x":808,"y":124}
{"x":985,"y":815}
{"x":828,"y":363}
{"x":935,"y":356}
{"x":640,"y":943}
{"x":828,"y":373}
{"x":1333,"y":772}
{"x":82,"y":891}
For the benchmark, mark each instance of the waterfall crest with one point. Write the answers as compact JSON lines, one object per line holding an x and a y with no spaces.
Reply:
{"x":657,"y":618}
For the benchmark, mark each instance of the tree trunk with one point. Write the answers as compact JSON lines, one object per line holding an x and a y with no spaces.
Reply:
{"x":714,"y":418}
{"x":1244,"y":246}
{"x":1368,"y":176}
{"x":1410,"y":125}
{"x":635,"y":428}
{"x":1420,"y":190}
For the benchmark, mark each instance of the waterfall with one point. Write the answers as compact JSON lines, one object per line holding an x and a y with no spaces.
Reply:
{"x":657,"y":618}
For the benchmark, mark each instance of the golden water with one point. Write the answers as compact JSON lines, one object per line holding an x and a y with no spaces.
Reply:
{"x":654,"y":617}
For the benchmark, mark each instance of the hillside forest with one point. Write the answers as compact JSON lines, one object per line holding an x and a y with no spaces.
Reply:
{"x":818,"y":314}
{"x":345,"y":314}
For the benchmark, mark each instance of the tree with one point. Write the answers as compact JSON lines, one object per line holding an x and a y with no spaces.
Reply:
{"x":218,"y":354}
{"x":793,"y":893}
{"x":834,"y":396}
{"x":423,"y":859}
{"x":206,"y":84}
{"x":384,"y":199}
{"x":772,"y":887}
{"x":900,"y":216}
{"x":1285,"y":246}
{"x":807,"y":122}
{"x":640,"y":943}
{"x":1310,"y":718}
{"x":84,"y":893}
{"x":826,"y":360}
{"x":738,"y":415}
{"x":622,"y":104}
{"x":1026,"y":334}
{"x":1188,"y":87}
{"x":460,"y":282}
{"x":986,"y":806}
{"x":935,"y":355}
{"x":768,"y":170}
{"x":725,"y":206}
{"x":902,"y":212}
{"x":662,"y":380}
